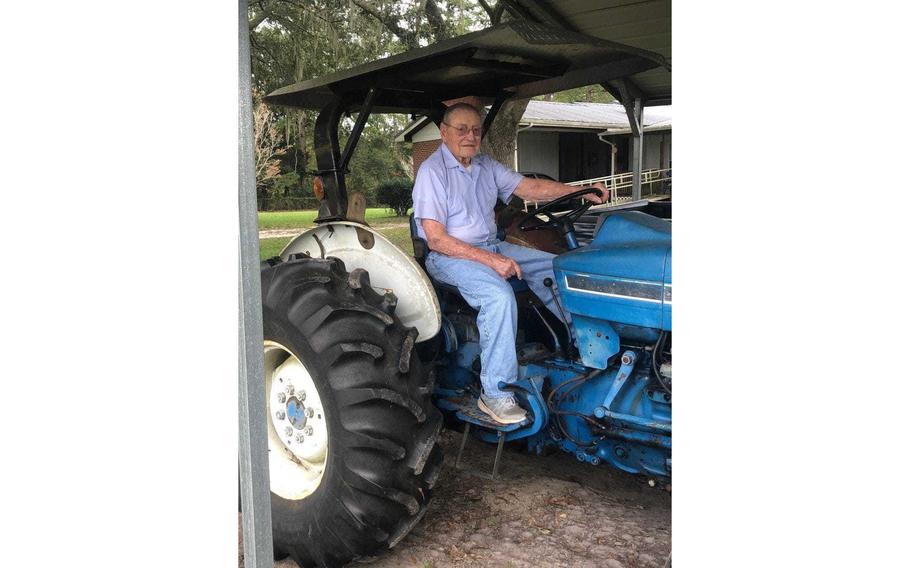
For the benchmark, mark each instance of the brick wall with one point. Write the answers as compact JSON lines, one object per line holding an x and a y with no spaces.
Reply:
{"x":420,"y":151}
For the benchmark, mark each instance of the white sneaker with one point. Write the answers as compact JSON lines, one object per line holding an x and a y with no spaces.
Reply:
{"x":503,"y":409}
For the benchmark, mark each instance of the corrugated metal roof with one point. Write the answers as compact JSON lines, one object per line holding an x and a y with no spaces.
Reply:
{"x":594,"y":116}
{"x":645,"y":24}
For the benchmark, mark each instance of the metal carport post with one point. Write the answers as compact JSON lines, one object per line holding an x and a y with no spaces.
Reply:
{"x":254,"y":465}
{"x":634,"y":111}
{"x":633,"y":102}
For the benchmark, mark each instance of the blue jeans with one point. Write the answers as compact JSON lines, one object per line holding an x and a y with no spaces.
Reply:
{"x":488,"y":293}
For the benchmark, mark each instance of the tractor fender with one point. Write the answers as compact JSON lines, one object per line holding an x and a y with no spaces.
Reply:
{"x":390,"y":269}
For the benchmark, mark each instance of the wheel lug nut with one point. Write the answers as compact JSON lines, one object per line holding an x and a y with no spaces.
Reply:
{"x":308,"y":431}
{"x":309,"y":412}
{"x":281,"y":397}
{"x":288,"y":431}
{"x":280,"y":415}
{"x":301,"y":395}
{"x":300,"y":438}
{"x":289,"y":389}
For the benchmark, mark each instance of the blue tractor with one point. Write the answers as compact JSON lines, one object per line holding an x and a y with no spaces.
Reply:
{"x":366,"y":358}
{"x":598,"y":383}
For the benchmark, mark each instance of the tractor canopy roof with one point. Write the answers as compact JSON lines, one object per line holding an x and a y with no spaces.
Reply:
{"x":516,"y":59}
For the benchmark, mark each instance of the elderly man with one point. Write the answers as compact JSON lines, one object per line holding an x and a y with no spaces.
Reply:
{"x":454,"y":194}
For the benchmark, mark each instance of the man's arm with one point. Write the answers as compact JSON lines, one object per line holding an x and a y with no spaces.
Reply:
{"x":531,"y":189}
{"x":440,"y":241}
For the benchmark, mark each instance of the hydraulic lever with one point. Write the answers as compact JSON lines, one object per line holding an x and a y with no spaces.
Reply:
{"x":571,"y":349}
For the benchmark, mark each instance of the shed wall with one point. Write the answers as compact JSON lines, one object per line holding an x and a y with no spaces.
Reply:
{"x":539,"y":152}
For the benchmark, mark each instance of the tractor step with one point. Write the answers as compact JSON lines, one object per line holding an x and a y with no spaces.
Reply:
{"x":466,"y":410}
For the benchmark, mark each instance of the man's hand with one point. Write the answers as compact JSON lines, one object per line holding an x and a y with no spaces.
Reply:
{"x":440,"y":241}
{"x":504,"y":266}
{"x":603,"y":198}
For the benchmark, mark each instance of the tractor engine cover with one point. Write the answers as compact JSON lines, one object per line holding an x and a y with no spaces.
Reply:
{"x":620,"y":285}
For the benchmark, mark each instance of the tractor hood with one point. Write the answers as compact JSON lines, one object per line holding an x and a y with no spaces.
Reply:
{"x":620,"y":284}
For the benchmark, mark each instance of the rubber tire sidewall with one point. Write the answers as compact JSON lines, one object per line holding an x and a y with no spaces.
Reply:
{"x":291,"y":517}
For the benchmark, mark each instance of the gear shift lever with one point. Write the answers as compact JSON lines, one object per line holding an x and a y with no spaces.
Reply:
{"x":548,"y":282}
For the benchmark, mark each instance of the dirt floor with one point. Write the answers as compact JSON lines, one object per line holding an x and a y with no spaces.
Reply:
{"x":542,"y":511}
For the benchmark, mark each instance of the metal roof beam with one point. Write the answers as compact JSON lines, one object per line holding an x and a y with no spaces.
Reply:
{"x":624,"y":89}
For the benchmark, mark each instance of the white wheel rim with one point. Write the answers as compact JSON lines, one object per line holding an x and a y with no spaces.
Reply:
{"x":298,"y":434}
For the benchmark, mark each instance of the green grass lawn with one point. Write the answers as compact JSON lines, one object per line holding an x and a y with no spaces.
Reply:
{"x":299,"y":219}
{"x":380,"y":219}
{"x":271,"y":247}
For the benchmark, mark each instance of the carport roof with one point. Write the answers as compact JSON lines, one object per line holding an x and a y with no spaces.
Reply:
{"x":644,"y":24}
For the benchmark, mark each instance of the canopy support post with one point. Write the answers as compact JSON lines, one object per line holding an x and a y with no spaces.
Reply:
{"x":635,"y":121}
{"x":254,"y":466}
{"x":329,"y":167}
{"x":354,"y":138}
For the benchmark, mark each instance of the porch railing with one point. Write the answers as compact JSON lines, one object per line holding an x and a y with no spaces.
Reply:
{"x":654,"y":182}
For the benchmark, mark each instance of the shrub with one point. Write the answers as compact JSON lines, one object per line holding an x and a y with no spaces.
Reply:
{"x":395,"y":194}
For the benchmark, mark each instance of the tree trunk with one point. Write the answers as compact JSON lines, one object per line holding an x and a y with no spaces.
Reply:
{"x":499,"y":141}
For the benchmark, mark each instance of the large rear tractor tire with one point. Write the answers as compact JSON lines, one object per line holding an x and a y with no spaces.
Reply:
{"x":352,"y":430}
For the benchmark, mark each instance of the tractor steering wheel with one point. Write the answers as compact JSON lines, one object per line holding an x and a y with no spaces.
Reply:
{"x":563,"y":222}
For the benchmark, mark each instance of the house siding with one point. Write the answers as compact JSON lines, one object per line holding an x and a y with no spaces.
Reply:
{"x":651,"y":152}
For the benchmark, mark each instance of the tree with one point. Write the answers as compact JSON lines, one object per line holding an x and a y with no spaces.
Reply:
{"x":267,"y":144}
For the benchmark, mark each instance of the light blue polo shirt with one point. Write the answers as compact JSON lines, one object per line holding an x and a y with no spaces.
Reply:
{"x":462,"y":201}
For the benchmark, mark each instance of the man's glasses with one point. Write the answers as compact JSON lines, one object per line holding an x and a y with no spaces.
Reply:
{"x":463,"y":130}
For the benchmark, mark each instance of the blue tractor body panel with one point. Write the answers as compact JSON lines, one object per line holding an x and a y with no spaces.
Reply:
{"x":618,"y":286}
{"x":624,"y":275}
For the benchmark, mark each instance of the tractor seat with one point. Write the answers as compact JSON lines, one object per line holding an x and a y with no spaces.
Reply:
{"x":421,"y":250}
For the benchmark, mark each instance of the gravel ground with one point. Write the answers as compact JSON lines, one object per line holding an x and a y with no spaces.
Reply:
{"x":542,"y":511}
